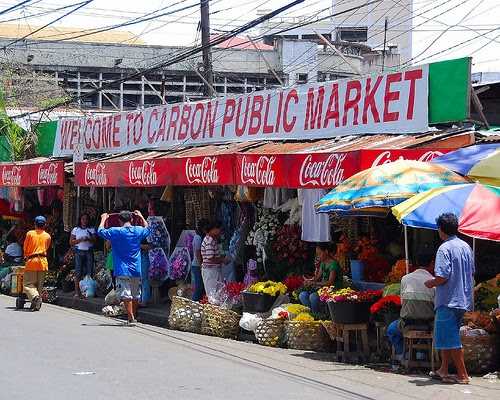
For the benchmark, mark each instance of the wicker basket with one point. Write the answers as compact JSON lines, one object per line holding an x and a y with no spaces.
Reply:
{"x":480,"y":353}
{"x":331,"y":329}
{"x":307,"y":335}
{"x":270,"y":332}
{"x":220,"y":322}
{"x":185,"y":315}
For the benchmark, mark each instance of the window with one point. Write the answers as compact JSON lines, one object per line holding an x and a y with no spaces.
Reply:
{"x":353,"y":34}
{"x":302,"y":78}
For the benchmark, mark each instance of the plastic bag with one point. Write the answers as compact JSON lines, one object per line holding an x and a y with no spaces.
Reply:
{"x":112,"y":298}
{"x":249,"y":321}
{"x":88,"y":287}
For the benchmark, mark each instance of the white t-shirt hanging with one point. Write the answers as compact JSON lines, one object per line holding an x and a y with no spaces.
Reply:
{"x":315,"y":227}
{"x":80,"y":233}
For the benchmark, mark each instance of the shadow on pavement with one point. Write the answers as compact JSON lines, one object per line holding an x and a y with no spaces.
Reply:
{"x":109,"y":324}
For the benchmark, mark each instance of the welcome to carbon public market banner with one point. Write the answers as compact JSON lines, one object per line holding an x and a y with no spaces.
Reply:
{"x":389,"y":103}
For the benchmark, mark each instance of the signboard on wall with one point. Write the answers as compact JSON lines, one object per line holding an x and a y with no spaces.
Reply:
{"x":50,"y":173}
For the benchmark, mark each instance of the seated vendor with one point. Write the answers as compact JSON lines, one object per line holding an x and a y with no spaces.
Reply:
{"x":13,"y":252}
{"x":417,"y":303}
{"x":327,"y":274}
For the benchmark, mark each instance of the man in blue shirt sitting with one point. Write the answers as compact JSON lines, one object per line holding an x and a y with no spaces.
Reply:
{"x":454,"y":283}
{"x":126,"y":244}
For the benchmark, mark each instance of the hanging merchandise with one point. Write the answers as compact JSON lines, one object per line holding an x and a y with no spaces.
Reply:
{"x":246,"y":194}
{"x":295,"y":209}
{"x":159,"y":236}
{"x":198,"y":205}
{"x":168,"y":194}
{"x":68,"y":206}
{"x":315,"y":227}
{"x":16,"y":199}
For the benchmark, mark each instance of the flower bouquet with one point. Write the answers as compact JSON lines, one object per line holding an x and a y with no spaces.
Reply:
{"x":293,"y":282}
{"x":397,"y":272}
{"x":263,"y":231}
{"x":387,"y":308}
{"x":180,"y":261}
{"x":158,"y":265}
{"x":288,"y":246}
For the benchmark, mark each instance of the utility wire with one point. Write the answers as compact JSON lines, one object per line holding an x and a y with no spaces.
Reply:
{"x":15,"y":6}
{"x":82,"y":4}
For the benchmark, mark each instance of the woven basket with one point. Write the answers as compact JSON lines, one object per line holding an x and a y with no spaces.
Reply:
{"x":220,"y":322}
{"x":270,"y":332}
{"x":480,"y":353}
{"x":185,"y":315}
{"x":331,"y":329}
{"x":307,"y":335}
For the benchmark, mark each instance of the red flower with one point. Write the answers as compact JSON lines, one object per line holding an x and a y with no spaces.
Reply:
{"x":386,"y":303}
{"x":293,"y":282}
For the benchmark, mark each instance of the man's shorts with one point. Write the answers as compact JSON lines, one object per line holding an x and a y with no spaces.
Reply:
{"x":128,"y":288}
{"x":447,"y":328}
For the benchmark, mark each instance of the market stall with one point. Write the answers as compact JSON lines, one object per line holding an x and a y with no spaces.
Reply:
{"x":29,"y":188}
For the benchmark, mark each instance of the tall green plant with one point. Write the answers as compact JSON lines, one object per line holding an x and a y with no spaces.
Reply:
{"x":20,"y":143}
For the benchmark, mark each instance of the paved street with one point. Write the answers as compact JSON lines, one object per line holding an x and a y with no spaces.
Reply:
{"x":60,"y":354}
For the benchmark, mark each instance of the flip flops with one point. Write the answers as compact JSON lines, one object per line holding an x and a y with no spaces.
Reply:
{"x":436,"y":376}
{"x":453,"y":380}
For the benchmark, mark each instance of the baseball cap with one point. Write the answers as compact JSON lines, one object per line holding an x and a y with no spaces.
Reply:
{"x":40,"y":220}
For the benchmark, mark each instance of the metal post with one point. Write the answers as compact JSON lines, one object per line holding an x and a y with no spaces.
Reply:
{"x":407,"y":258}
{"x":78,"y":201}
{"x":385,"y":44}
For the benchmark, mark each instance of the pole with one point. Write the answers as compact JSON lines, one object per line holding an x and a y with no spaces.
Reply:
{"x":78,"y":201}
{"x":474,"y":248}
{"x":207,"y":53}
{"x":385,"y":43}
{"x":407,"y":258}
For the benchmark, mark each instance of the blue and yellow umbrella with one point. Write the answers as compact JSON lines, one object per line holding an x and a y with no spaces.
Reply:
{"x":379,"y":188}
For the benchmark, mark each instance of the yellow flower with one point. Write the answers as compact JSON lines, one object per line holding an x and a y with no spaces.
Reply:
{"x":296,"y":308}
{"x":304,"y":316}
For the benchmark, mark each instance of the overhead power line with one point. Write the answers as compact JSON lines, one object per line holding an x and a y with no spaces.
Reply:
{"x":15,"y":6}
{"x":81,"y":5}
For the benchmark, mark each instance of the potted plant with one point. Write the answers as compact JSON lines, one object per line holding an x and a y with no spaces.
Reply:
{"x":261,"y":296}
{"x":348,"y":306}
{"x":387,"y":308}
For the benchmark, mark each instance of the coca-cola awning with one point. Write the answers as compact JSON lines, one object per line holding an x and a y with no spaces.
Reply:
{"x":295,"y":170}
{"x":32,"y":174}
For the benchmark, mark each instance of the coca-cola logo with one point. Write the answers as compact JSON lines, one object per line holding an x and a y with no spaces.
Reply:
{"x":258,"y":172}
{"x":326,"y":173}
{"x":143,"y":174}
{"x":204,"y":172}
{"x":47,"y":174}
{"x":387,"y":157}
{"x":11,"y":176}
{"x":96,"y":175}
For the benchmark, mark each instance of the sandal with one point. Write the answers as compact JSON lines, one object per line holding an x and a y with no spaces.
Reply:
{"x":453,"y":380}
{"x":435,"y":375}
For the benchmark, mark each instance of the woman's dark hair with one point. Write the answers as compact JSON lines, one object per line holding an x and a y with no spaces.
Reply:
{"x":327,"y":246}
{"x":201,"y":226}
{"x":80,"y":219}
{"x":448,"y":223}
{"x":214,"y":225}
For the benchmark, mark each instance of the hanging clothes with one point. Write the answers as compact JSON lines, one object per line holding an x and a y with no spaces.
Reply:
{"x":315,"y":227}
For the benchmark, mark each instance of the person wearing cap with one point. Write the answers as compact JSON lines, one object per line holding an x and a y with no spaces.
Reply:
{"x":126,"y":243}
{"x":36,"y":246}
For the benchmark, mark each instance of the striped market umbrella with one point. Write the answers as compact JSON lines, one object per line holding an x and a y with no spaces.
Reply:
{"x":477,"y":207}
{"x":382,"y":187}
{"x":480,"y":162}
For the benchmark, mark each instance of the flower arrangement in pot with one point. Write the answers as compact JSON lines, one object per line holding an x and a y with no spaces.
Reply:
{"x":387,"y":308}
{"x":261,"y":295}
{"x":348,"y":306}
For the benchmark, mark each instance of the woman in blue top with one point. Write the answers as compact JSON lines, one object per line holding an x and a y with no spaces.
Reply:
{"x":196,"y":279}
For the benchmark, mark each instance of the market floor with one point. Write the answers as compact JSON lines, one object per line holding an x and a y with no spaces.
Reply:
{"x":59,"y":353}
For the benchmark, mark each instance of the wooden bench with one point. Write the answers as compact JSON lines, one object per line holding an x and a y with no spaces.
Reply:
{"x":344,"y":352}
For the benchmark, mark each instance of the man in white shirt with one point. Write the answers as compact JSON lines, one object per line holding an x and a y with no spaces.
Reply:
{"x":417,"y":302}
{"x":83,"y":239}
{"x":13,"y":251}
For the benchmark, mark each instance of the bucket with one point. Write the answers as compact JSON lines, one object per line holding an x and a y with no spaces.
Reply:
{"x":357,"y":268}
